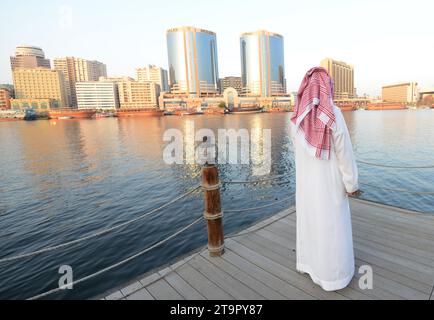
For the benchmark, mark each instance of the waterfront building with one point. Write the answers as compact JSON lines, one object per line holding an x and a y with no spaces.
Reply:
{"x":41,"y":83}
{"x":231,"y":82}
{"x":263,"y":64}
{"x":138,"y":94}
{"x":401,"y":92}
{"x":193,"y":62}
{"x":230,"y":98}
{"x":29,"y":57}
{"x":78,"y":70}
{"x":343,"y":78}
{"x":153,"y":74}
{"x":5,"y":96}
{"x":97,"y":95}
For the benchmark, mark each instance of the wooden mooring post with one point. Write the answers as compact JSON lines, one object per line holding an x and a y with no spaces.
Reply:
{"x":213,"y":210}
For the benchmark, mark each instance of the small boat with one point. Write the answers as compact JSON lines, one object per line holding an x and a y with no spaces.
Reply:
{"x":192,"y":113}
{"x":65,"y":118}
{"x":30,"y":115}
{"x":71,"y":113}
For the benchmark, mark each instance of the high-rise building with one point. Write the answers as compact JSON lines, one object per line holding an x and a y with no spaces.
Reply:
{"x":193,"y":62}
{"x":79,"y":70}
{"x":40,"y":83}
{"x":401,"y":92}
{"x":5,"y":96}
{"x":343,"y":78}
{"x":154,"y":74}
{"x":29,"y":57}
{"x":263,"y":64}
{"x":231,"y":82}
{"x":138,"y":95}
{"x":97,"y":95}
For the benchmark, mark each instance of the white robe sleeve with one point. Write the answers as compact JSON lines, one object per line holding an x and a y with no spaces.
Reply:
{"x":345,"y":155}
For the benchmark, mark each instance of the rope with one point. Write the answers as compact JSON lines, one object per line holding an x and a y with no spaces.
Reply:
{"x":99,"y":233}
{"x":398,"y":190}
{"x":393,"y":166}
{"x":261,"y":207}
{"x":256,"y":181}
{"x":119,"y":263}
{"x":247,"y":232}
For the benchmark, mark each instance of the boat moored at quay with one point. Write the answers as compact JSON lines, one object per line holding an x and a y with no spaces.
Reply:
{"x":71,"y":114}
{"x":149,"y":112}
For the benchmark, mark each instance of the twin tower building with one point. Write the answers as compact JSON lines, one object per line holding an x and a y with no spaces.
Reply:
{"x":194,"y":69}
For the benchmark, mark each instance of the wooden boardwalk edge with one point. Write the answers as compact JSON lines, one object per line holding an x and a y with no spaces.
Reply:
{"x":265,"y":249}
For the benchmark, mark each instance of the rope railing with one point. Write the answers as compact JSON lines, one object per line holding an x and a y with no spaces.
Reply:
{"x":398,"y":190}
{"x":99,"y":233}
{"x":394,"y":166}
{"x":260,"y":207}
{"x":257,"y":181}
{"x":114,"y":266}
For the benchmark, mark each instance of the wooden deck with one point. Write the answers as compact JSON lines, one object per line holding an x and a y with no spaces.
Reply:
{"x":259,"y":262}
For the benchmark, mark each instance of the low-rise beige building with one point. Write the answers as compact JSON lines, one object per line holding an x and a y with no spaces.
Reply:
{"x":138,"y":95}
{"x":41,"y":83}
{"x":153,"y":74}
{"x":401,"y":92}
{"x":97,"y":95}
{"x":231,"y":82}
{"x":5,"y":97}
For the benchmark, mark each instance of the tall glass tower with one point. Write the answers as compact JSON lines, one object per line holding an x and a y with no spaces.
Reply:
{"x":262,"y":64}
{"x":193,"y":63}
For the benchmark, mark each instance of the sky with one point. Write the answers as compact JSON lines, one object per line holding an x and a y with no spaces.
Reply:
{"x":386,"y":41}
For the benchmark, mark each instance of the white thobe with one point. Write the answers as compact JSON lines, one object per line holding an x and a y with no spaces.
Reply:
{"x":324,"y":233}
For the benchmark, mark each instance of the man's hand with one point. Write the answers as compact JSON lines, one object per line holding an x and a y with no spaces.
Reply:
{"x":355,"y":194}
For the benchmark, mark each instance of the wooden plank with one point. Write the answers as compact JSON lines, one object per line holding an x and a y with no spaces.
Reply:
{"x":391,"y":265}
{"x":181,"y":286}
{"x":391,"y":213}
{"x":281,"y":253}
{"x":278,"y":248}
{"x":228,"y":283}
{"x":410,"y":240}
{"x":142,"y":294}
{"x":282,"y":272}
{"x":161,"y":290}
{"x":400,"y":261}
{"x":266,"y":277}
{"x":204,"y":286}
{"x":245,"y":278}
{"x":395,"y":224}
{"x":402,"y":265}
{"x":289,"y":265}
{"x":394,"y":248}
{"x":281,"y":256}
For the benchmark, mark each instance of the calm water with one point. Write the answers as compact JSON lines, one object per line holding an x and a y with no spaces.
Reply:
{"x":61,"y":181}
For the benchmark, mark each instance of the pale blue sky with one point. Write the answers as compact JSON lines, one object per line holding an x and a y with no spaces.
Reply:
{"x":386,"y":41}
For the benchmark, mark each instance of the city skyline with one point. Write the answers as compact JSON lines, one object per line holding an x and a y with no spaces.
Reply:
{"x":390,"y":52}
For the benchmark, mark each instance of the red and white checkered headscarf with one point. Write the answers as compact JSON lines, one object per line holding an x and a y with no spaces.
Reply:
{"x":313,"y":114}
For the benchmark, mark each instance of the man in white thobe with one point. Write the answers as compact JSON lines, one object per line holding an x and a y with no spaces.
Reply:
{"x":326,"y":175}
